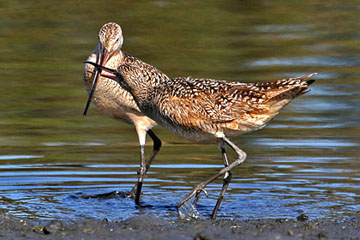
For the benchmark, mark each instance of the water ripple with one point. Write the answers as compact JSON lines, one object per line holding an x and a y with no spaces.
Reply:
{"x":16,"y":157}
{"x":317,"y":61}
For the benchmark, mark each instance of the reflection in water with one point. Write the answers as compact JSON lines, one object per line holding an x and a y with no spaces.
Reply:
{"x":316,"y":143}
{"x":323,"y":61}
{"x":305,"y":161}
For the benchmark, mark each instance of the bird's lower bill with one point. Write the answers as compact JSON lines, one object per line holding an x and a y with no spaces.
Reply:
{"x":102,"y":60}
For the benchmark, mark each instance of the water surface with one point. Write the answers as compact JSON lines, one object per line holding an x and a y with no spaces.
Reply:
{"x":306,"y":161}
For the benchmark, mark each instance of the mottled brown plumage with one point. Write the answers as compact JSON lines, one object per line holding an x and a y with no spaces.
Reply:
{"x":198,"y":109}
{"x":201,"y":109}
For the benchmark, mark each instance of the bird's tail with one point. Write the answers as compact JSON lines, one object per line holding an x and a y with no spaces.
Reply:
{"x":289,"y":88}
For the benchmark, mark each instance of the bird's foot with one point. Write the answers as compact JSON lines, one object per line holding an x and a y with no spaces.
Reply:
{"x":190,"y":211}
{"x":197,"y":196}
{"x":132,"y":193}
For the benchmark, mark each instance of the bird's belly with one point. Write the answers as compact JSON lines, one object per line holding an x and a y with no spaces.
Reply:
{"x":203,"y":130}
{"x":117,"y":103}
{"x":194,"y":135}
{"x":191,"y":133}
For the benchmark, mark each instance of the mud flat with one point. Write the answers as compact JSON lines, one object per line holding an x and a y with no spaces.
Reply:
{"x":150,"y":227}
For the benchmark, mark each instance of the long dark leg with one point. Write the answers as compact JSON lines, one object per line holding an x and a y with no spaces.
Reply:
{"x":226,"y":182}
{"x":141,"y":174}
{"x":226,"y":163}
{"x":156,"y":149}
{"x":144,"y":167}
{"x":200,"y":187}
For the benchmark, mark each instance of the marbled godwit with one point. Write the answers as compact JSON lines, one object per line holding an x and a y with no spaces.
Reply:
{"x":200,"y":109}
{"x":113,"y":100}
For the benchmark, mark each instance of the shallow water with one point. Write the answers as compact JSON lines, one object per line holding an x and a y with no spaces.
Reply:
{"x":306,"y":161}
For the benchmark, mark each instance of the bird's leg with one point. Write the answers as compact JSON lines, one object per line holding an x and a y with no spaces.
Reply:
{"x":226,"y":163}
{"x":226,"y":181}
{"x":156,"y":149}
{"x":200,"y":187}
{"x":141,"y":174}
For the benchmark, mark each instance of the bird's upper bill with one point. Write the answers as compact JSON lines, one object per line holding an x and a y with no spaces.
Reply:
{"x":104,"y":57}
{"x":111,"y":73}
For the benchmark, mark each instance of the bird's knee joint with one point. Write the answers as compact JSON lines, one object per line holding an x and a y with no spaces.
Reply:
{"x":241,"y":158}
{"x":141,"y":171}
{"x":227,"y":177}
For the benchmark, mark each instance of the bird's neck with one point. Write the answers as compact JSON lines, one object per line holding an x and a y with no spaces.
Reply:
{"x":143,"y":83}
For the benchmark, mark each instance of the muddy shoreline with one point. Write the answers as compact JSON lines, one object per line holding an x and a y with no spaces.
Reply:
{"x":150,"y":227}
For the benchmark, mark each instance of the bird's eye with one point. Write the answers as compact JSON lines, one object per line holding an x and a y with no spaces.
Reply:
{"x":117,"y":39}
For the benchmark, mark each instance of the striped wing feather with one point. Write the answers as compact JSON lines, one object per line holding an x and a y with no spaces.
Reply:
{"x":207,"y":103}
{"x":195,"y":102}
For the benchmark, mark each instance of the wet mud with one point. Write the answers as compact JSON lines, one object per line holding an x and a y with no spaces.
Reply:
{"x":150,"y":227}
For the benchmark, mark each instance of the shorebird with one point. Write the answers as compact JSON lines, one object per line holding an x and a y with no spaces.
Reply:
{"x":202,"y":109}
{"x":113,"y":100}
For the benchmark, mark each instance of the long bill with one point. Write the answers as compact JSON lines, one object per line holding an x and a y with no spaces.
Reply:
{"x":101,"y":59}
{"x":114,"y":73}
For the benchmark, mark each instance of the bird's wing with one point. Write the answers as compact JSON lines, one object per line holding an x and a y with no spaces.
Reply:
{"x":199,"y":101}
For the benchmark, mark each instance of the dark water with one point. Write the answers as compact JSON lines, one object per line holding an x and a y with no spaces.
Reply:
{"x":306,"y":161}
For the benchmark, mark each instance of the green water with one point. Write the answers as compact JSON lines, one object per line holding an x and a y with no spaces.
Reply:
{"x":306,"y":161}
